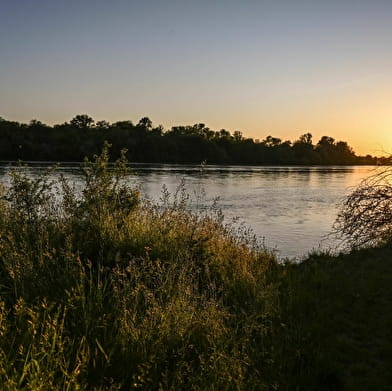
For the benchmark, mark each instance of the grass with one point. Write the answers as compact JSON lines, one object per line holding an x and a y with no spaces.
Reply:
{"x":340,"y":322}
{"x":101,"y":290}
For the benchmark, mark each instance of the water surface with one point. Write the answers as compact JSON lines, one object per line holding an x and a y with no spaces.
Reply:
{"x":291,"y":209}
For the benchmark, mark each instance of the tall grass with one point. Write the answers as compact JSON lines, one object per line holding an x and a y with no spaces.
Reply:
{"x":101,"y":289}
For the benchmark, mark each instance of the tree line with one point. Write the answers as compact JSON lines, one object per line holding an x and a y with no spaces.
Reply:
{"x":82,"y":136}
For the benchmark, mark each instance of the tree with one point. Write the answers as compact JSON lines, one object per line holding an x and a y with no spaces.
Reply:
{"x":326,"y":141}
{"x":207,"y":133}
{"x":104,"y":125}
{"x":237,"y":135}
{"x":127,"y":125}
{"x":306,"y":138}
{"x":344,"y":152}
{"x":145,"y":123}
{"x":158,"y":131}
{"x":36,"y":124}
{"x":365,"y":217}
{"x":304,"y":150}
{"x":326,"y":150}
{"x":270,"y":141}
{"x":223,"y":134}
{"x":82,"y":121}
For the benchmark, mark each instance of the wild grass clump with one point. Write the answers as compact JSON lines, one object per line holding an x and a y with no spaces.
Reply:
{"x":101,"y":289}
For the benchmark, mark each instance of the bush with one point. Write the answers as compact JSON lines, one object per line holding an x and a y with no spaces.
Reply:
{"x":365,"y":217}
{"x":103,"y":290}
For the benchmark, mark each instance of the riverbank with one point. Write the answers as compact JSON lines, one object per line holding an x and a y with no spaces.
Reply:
{"x":72,"y":141}
{"x":298,"y":219}
{"x":108,"y":291}
{"x":336,"y":311}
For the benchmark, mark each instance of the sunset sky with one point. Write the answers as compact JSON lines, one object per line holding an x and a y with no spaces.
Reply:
{"x":280,"y":68}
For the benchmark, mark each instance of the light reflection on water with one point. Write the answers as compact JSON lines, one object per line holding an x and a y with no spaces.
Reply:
{"x":290,"y":208}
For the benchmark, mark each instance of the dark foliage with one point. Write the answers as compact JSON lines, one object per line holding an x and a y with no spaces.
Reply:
{"x":82,"y":136}
{"x":365,"y":217}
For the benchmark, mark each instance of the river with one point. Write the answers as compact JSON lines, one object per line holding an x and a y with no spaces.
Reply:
{"x":290,"y":209}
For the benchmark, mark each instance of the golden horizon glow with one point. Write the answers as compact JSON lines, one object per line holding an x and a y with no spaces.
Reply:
{"x":265,"y":68}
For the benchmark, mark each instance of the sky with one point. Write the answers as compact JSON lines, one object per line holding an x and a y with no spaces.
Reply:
{"x":280,"y":68}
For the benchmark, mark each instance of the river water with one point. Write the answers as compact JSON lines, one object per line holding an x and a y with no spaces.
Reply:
{"x":290,"y":209}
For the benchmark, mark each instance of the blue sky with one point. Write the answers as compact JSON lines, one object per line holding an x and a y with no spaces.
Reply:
{"x":282,"y":68}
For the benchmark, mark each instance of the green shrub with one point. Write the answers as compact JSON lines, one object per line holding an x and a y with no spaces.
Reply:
{"x":104,"y":290}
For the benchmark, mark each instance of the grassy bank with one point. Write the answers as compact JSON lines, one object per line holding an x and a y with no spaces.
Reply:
{"x":102,"y":290}
{"x":337,"y":313}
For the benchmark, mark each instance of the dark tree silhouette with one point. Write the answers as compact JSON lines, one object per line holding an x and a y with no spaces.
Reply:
{"x":306,"y":139}
{"x":82,"y":121}
{"x":71,"y":141}
{"x":365,"y":217}
{"x":145,"y":122}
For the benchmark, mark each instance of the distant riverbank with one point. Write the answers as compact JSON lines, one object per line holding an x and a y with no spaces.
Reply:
{"x":82,"y":136}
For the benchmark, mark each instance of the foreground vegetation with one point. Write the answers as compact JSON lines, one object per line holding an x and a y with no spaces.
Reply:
{"x":339,"y":323}
{"x":102,"y":290}
{"x":82,"y":136}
